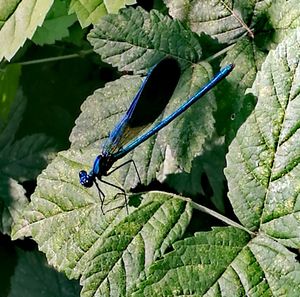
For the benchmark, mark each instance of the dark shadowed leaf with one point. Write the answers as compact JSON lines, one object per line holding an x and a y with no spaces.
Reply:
{"x":20,"y":161}
{"x":12,"y":203}
{"x":33,"y":277}
{"x":9,"y":81}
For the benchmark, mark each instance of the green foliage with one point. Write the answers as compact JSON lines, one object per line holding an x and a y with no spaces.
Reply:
{"x":243,"y":268}
{"x":90,"y":12}
{"x":130,"y":41}
{"x":21,"y":23}
{"x":20,"y":160}
{"x":265,"y":149}
{"x":56,"y":24}
{"x":247,"y":127}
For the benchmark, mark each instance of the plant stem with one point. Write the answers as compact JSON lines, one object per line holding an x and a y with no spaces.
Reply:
{"x":239,"y":20}
{"x":221,"y":52}
{"x":51,"y":59}
{"x":218,"y":216}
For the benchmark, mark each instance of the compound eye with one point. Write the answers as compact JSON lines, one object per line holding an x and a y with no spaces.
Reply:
{"x":85,"y":179}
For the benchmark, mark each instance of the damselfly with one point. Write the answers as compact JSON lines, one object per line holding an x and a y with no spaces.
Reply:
{"x":149,"y":102}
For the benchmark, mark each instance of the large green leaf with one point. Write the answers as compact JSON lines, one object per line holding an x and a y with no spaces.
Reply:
{"x":263,"y":160}
{"x":24,"y":18}
{"x":134,"y":39}
{"x":223,"y":262}
{"x":90,"y":12}
{"x":66,"y":221}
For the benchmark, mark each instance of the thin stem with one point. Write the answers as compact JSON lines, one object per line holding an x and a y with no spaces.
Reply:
{"x":217,"y":216}
{"x":239,"y":20}
{"x":221,"y":52}
{"x":52,"y":59}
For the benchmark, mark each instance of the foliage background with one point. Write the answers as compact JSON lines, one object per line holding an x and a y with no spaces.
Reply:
{"x":68,"y":71}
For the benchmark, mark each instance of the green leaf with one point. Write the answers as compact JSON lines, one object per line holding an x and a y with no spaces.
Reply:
{"x":21,"y":24}
{"x":91,"y":12}
{"x":11,"y":126}
{"x":66,"y":221}
{"x":263,"y":160}
{"x":135,"y":39}
{"x":20,"y":160}
{"x":247,"y":58}
{"x":12,"y":203}
{"x":12,"y":195}
{"x":33,"y":277}
{"x":283,"y":17}
{"x":223,"y":262}
{"x":77,"y":36}
{"x":134,"y":244}
{"x":6,"y":10}
{"x":113,"y":6}
{"x":9,"y":82}
{"x":233,"y":106}
{"x":229,"y":20}
{"x":56,"y":24}
{"x":24,"y":159}
{"x":218,"y":19}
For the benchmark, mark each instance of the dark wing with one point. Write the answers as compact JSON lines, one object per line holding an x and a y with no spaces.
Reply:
{"x":149,"y":102}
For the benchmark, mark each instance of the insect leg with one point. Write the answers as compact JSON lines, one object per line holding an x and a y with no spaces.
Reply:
{"x":119,"y":188}
{"x":127,"y":162}
{"x":101,"y":195}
